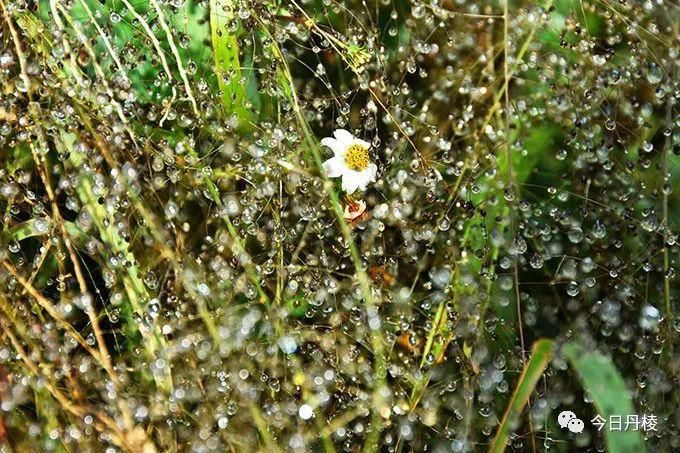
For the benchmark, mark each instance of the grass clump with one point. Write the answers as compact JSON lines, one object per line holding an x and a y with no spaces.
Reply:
{"x":182,"y":269}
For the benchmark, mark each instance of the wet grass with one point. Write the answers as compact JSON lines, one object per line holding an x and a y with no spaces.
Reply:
{"x":179,"y":273}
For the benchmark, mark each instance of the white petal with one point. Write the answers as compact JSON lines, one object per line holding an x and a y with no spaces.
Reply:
{"x":344,"y":137}
{"x":349,"y":182}
{"x":367,"y":176}
{"x":335,"y":145}
{"x":363,"y":180}
{"x":363,"y":143}
{"x":334,"y":167}
{"x":373,"y":170}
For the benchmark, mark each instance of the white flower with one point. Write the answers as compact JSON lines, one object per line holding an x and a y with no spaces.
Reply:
{"x":351,"y":161}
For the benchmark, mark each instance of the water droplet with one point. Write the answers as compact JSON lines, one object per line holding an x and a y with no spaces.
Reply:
{"x":306,"y":412}
{"x":649,"y":318}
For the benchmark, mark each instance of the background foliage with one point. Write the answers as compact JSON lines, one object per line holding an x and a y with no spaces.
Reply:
{"x":177,"y":273}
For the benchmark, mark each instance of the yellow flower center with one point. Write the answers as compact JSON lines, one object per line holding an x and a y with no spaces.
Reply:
{"x":356,"y":157}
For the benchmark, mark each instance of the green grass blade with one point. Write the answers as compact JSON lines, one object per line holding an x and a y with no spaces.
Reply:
{"x":29,"y":228}
{"x":540,"y":357}
{"x":227,"y":64}
{"x":138,"y":297}
{"x":604,"y":383}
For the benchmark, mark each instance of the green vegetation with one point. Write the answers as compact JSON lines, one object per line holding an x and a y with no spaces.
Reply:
{"x":190,"y":262}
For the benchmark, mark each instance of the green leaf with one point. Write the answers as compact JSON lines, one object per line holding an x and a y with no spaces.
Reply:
{"x":297,"y":306}
{"x":540,"y":357}
{"x":602,"y":380}
{"x":22,"y":159}
{"x":227,"y":65}
{"x":27,"y":229}
{"x":31,"y":228}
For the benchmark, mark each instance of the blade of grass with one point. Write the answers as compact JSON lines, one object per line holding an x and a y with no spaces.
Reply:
{"x":175,"y":52}
{"x":602,"y":380}
{"x":540,"y":357}
{"x":27,"y":229}
{"x":138,"y":297}
{"x":263,"y":429}
{"x":227,"y":64}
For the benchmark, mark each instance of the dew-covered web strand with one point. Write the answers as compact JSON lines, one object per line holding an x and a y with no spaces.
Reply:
{"x":513,"y":189}
{"x":498,"y":332}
